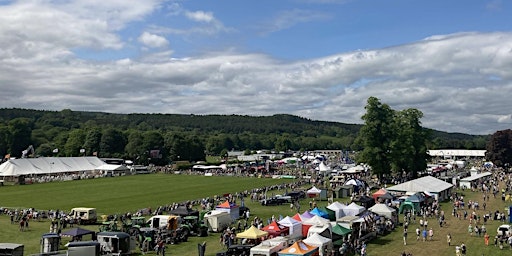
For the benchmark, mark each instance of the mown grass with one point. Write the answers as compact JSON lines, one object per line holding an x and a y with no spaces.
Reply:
{"x":122,"y":194}
{"x":118,"y":195}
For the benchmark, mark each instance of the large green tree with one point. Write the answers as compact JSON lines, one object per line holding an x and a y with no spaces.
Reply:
{"x":408,"y":146}
{"x":499,"y":148}
{"x":376,"y":136}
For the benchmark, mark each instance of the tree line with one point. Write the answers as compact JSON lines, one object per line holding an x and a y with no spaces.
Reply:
{"x":164,"y":138}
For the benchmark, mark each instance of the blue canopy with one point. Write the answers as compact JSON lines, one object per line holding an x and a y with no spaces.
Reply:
{"x":319,"y":213}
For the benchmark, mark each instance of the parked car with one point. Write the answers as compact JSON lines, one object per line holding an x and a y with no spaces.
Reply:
{"x":237,"y":250}
{"x":297,"y":194}
{"x":273,"y":201}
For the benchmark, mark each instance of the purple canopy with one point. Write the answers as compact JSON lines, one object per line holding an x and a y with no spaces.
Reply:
{"x":307,"y":215}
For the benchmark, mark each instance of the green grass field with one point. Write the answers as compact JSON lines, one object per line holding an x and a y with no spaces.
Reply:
{"x":122,"y":194}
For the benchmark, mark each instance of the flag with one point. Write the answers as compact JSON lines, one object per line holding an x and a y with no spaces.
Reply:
{"x":56,"y":150}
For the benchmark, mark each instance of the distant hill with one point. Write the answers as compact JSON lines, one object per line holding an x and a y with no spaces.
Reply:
{"x":242,"y":131}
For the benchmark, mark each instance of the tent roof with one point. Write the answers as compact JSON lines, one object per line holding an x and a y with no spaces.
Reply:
{"x":316,"y":221}
{"x":313,"y":190}
{"x":476,"y":177}
{"x":319,"y":212}
{"x":299,"y":248}
{"x":274,"y":229}
{"x":317,"y":239}
{"x":226,"y":205}
{"x":323,"y":167}
{"x":426,"y":183}
{"x":182,"y":210}
{"x":112,"y":167}
{"x":252,"y":233}
{"x":382,"y":209}
{"x":289,"y":221}
{"x":77,"y":232}
{"x":336,"y":206}
{"x":306,"y":215}
{"x":340,"y":230}
{"x":49,"y":165}
{"x":382,"y":193}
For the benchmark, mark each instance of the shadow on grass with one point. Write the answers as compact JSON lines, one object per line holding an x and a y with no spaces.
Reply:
{"x":382,"y":240}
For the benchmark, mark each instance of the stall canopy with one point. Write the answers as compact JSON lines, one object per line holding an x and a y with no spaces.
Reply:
{"x":313,"y":192}
{"x":382,"y":193}
{"x":252,"y":233}
{"x":383,"y":210}
{"x":337,"y":207}
{"x":112,"y":167}
{"x":49,"y":165}
{"x":183,"y":210}
{"x":323,"y":243}
{"x":331,"y":215}
{"x":295,"y":227}
{"x":408,"y":206}
{"x":274,"y":229}
{"x":76,"y":232}
{"x":353,"y":209}
{"x":299,"y":248}
{"x":320,"y":213}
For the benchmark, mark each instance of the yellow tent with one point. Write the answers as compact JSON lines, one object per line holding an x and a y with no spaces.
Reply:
{"x":252,"y":233}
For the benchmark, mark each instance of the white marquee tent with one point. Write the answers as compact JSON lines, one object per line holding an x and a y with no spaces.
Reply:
{"x":48,"y":165}
{"x":353,"y":209}
{"x":324,"y":243}
{"x":383,"y":210}
{"x":337,"y":207}
{"x":294,"y":226}
{"x":439,"y":188}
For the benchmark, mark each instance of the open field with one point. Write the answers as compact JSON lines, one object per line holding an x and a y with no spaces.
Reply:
{"x":117,"y":195}
{"x":121,"y":194}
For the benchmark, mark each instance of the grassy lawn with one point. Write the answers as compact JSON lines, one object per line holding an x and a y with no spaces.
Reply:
{"x":392,"y":244}
{"x":122,"y":194}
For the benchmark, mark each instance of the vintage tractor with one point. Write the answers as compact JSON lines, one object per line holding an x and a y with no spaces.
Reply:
{"x":109,"y":226}
{"x":192,"y":226}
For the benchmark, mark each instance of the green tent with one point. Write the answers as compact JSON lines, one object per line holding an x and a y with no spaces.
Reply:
{"x":331,"y":214}
{"x":409,"y":205}
{"x":338,"y":232}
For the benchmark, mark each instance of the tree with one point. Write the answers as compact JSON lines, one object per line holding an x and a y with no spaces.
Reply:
{"x":408,"y":147}
{"x":135,"y":147}
{"x":112,"y":143}
{"x":74,"y":143}
{"x":499,"y":148}
{"x":20,"y":131}
{"x":92,"y":141}
{"x":376,"y":135}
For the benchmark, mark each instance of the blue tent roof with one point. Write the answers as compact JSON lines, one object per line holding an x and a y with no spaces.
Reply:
{"x":319,"y":213}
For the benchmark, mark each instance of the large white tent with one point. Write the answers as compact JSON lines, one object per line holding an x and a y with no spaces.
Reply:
{"x":48,"y":165}
{"x":439,"y":188}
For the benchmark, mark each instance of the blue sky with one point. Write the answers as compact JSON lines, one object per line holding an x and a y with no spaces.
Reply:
{"x":319,"y":59}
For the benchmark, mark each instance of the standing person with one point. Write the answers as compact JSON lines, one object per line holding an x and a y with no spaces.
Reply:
{"x":424,"y":235}
{"x":449,"y":239}
{"x":463,"y":248}
{"x":405,"y":236}
{"x":418,"y":232}
{"x":431,"y":234}
{"x":486,"y":239}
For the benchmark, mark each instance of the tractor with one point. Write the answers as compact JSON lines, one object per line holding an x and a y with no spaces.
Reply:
{"x":192,"y":226}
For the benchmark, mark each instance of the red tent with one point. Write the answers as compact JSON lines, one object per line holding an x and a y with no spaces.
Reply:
{"x":297,"y":217}
{"x":275,"y":229}
{"x":382,"y":193}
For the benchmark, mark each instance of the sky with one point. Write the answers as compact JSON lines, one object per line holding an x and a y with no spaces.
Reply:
{"x":317,"y":59}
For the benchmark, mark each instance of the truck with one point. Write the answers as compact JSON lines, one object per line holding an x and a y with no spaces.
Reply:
{"x":217,"y":221}
{"x":83,"y":215}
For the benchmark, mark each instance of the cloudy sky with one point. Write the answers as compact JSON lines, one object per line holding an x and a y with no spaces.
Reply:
{"x":319,"y":59}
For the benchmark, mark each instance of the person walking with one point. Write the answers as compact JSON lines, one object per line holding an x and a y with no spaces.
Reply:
{"x":449,"y":239}
{"x":424,"y":235}
{"x":486,"y":239}
{"x":430,"y":234}
{"x":405,"y":236}
{"x":418,"y":233}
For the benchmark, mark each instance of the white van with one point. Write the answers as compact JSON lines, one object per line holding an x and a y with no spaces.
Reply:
{"x":170,"y":222}
{"x":84,"y":215}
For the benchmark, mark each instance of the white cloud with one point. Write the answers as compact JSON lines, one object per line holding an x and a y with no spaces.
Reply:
{"x":289,"y":18}
{"x":152,"y":40}
{"x":461,"y":82}
{"x":200,"y":16}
